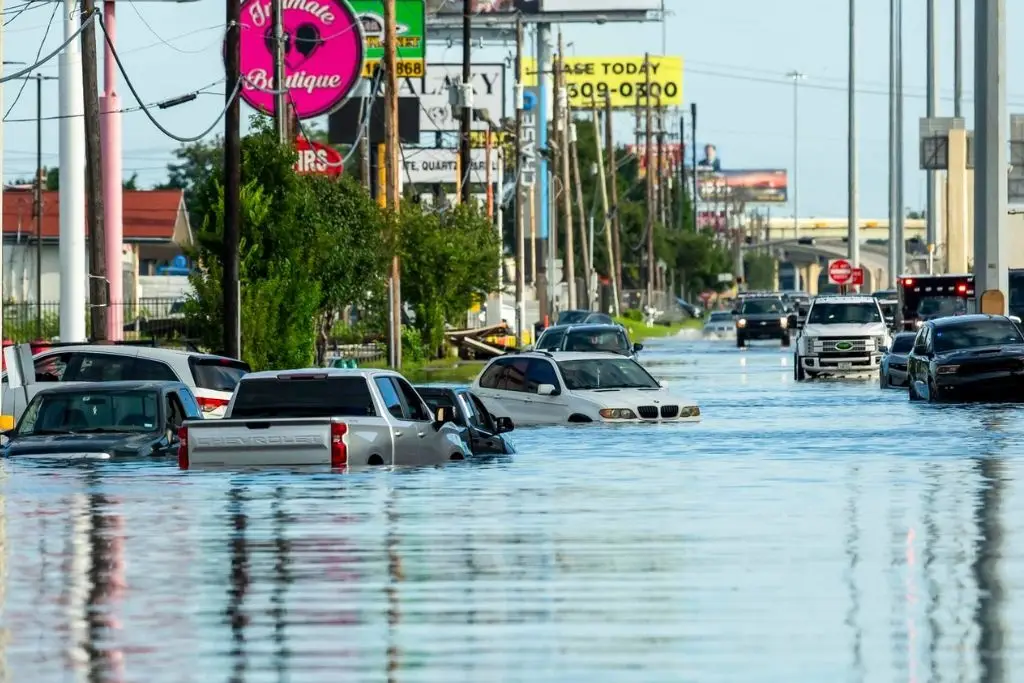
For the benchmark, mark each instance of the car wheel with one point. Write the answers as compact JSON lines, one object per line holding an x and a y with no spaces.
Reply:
{"x":741,"y":342}
{"x":883,"y":380}
{"x":785,"y":340}
{"x":933,"y":393}
{"x":798,"y":370}
{"x":912,"y":390}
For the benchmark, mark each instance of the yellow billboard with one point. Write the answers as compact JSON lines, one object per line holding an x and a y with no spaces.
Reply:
{"x":623,"y":79}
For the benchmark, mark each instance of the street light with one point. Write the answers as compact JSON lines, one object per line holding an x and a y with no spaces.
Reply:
{"x":797,"y":77}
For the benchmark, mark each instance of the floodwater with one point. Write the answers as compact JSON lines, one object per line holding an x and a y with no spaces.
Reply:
{"x":829,"y":531}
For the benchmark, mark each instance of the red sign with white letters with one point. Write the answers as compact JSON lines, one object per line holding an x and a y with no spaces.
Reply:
{"x":315,"y":157}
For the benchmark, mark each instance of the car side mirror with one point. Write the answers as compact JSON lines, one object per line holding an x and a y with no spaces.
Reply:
{"x":637,"y":348}
{"x":503,"y":424}
{"x":547,"y":390}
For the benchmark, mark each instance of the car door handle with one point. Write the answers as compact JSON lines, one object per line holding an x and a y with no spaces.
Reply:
{"x":397,"y":433}
{"x":421,"y":434}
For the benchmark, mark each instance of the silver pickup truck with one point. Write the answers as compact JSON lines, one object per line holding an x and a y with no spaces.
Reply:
{"x":325,"y":417}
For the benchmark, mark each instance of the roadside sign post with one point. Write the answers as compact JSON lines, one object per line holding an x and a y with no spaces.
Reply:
{"x":840,"y":272}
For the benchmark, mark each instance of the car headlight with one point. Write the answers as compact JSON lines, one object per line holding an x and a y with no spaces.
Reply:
{"x":741,"y":322}
{"x":948,"y":369}
{"x":689,"y":411}
{"x":784,"y":321}
{"x":918,"y":323}
{"x":617,"y":414}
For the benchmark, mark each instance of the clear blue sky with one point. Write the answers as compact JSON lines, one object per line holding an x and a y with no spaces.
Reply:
{"x":736,"y":54}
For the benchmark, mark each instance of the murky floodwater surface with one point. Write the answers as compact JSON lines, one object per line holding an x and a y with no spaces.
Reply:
{"x":820,"y":532}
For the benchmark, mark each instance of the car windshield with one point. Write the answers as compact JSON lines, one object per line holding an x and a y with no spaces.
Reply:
{"x":973,"y":335}
{"x":720,"y":317}
{"x":571,"y":317}
{"x":941,"y":306}
{"x":610,"y":341}
{"x":762,"y":306}
{"x":903,"y":343}
{"x":67,"y":412}
{"x":605,"y":373}
{"x":840,"y":313}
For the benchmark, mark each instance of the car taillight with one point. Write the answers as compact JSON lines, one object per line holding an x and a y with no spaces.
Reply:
{"x":339,"y":451}
{"x":208,"y":405}
{"x":909,"y":281}
{"x":961,"y":289}
{"x":183,"y":447}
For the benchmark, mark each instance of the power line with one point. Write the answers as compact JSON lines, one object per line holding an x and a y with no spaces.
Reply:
{"x":160,"y":39}
{"x":42,"y":43}
{"x":74,"y":36}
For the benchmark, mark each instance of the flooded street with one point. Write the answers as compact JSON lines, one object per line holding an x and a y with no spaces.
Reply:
{"x":828,"y":531}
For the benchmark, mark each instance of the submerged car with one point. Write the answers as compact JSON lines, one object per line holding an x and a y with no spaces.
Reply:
{"x":102,"y":421}
{"x":588,"y":338}
{"x":541,"y":388}
{"x":967,"y":357}
{"x":484,"y":433}
{"x":892,"y":371}
{"x":721,"y":324}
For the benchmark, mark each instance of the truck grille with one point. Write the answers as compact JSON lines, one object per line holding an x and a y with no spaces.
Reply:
{"x":856,"y":346}
{"x":648,"y":412}
{"x":669,"y":411}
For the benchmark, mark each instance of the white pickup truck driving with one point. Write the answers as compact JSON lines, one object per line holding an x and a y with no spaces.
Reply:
{"x":324,"y":417}
{"x":842,"y":335}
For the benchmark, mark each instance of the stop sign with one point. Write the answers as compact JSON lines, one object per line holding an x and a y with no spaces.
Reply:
{"x":315,"y":157}
{"x":840,"y":272}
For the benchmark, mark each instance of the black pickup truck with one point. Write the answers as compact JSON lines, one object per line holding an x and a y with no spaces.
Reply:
{"x":763,"y":317}
{"x":84,"y":421}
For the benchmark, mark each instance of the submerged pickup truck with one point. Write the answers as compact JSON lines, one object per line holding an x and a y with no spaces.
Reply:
{"x":330,"y":416}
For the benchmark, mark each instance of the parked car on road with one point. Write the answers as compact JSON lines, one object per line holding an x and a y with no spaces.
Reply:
{"x":484,"y":433}
{"x":892,"y":371}
{"x":720,"y":324}
{"x":211,"y":378}
{"x":543,"y":388}
{"x":588,"y":338}
{"x":102,"y":421}
{"x":967,"y":357}
{"x":323,"y":416}
{"x":579,"y":317}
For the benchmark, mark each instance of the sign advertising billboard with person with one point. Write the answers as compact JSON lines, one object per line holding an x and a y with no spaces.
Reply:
{"x":754,"y":186}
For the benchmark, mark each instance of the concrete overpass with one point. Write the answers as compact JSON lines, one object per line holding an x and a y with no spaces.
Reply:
{"x":781,"y":227}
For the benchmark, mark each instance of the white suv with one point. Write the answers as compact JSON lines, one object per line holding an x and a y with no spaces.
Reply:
{"x":569,"y":387}
{"x":842,"y":335}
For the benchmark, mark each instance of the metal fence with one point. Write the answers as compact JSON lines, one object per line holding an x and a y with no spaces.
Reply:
{"x":29,"y":321}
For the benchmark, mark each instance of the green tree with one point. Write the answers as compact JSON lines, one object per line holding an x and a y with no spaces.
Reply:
{"x":449,"y":259}
{"x":196,"y":163}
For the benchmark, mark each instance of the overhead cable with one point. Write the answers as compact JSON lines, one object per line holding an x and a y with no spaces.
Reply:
{"x":42,"y":43}
{"x":39,"y":62}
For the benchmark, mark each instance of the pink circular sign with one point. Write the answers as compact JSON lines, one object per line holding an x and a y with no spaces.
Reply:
{"x":323,"y":54}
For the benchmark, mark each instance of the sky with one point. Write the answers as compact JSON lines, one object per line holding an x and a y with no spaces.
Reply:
{"x":736,"y":54}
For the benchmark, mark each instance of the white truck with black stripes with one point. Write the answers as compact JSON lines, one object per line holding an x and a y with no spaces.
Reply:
{"x":842,"y":335}
{"x":323,"y":416}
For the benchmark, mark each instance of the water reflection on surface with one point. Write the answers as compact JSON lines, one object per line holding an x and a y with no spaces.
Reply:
{"x":827,"y":531}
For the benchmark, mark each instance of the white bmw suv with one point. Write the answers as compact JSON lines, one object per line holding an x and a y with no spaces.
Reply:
{"x":842,"y":335}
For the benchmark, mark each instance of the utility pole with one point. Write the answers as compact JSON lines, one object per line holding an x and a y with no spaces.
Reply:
{"x":555,"y":150}
{"x":649,"y":150}
{"x":488,"y":180}
{"x":40,"y":179}
{"x":393,"y":166}
{"x":894,"y":200}
{"x":613,"y":206}
{"x":661,"y":186}
{"x":853,"y":233}
{"x":585,"y":242}
{"x":957,"y":59}
{"x":693,"y":157}
{"x":98,"y":285}
{"x":990,"y":149}
{"x":931,"y":105}
{"x":606,"y":210}
{"x":465,"y":161}
{"x":231,"y":286}
{"x":280,"y":97}
{"x":898,"y":236}
{"x":566,"y":121}
{"x":797,"y":77}
{"x":71,"y":243}
{"x":520,"y":199}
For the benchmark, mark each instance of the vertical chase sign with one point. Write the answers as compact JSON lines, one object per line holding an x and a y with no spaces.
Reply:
{"x":528,"y":148}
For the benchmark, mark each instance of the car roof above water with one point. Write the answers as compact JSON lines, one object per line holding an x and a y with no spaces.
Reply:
{"x":110,"y":387}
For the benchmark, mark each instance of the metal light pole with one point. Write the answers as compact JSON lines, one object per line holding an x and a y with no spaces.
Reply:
{"x":901,"y":214}
{"x":894,"y":199}
{"x":853,"y":232}
{"x":797,"y":77}
{"x":932,"y":211}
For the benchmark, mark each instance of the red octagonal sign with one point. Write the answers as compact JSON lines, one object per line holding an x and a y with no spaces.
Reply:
{"x":840,"y":272}
{"x":315,"y":157}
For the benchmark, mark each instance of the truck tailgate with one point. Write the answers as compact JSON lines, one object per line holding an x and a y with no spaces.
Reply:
{"x":279,"y":441}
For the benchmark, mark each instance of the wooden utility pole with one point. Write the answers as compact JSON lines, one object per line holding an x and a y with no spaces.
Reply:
{"x":230,"y":285}
{"x":488,"y":180}
{"x":661,"y":182}
{"x":649,"y":150}
{"x":465,"y":160}
{"x":98,"y":285}
{"x":612,"y":273}
{"x":566,"y":134}
{"x":588,"y":267}
{"x":613,"y":178}
{"x":555,"y":149}
{"x":520,"y":199}
{"x":280,"y":97}
{"x":391,"y":152}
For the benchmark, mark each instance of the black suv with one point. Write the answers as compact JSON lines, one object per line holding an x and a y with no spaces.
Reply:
{"x":763,"y":317}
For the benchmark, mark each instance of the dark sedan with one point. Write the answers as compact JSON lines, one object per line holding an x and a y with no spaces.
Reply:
{"x":102,"y":421}
{"x":484,"y":433}
{"x":967,"y":357}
